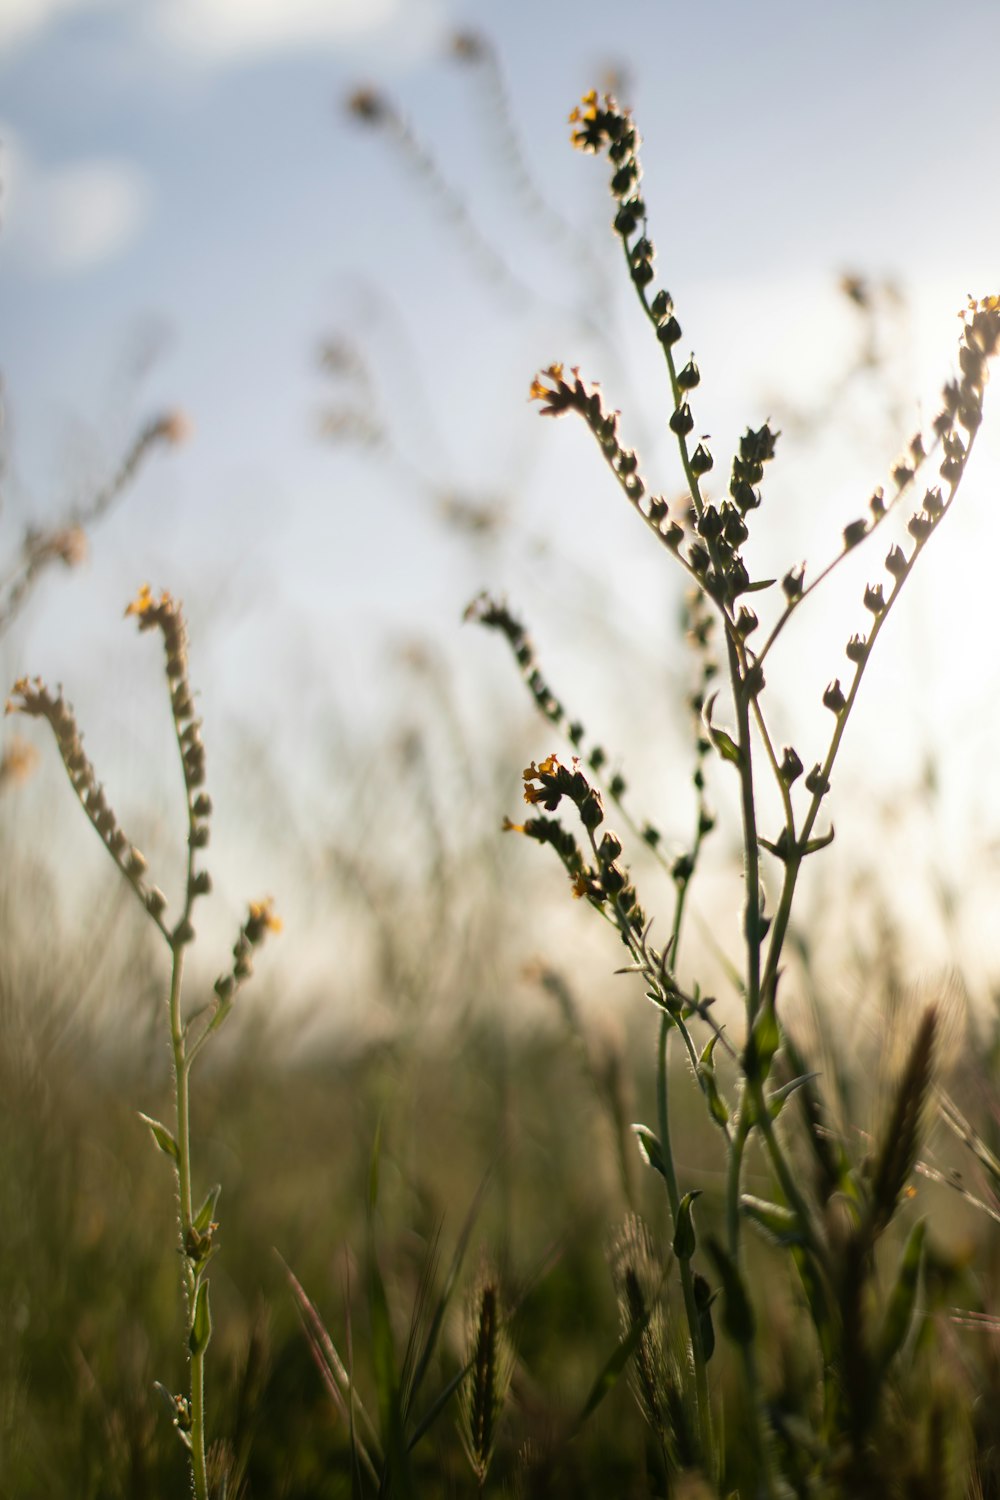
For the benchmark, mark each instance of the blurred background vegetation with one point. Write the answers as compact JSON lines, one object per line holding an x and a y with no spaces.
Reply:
{"x":433,"y":982}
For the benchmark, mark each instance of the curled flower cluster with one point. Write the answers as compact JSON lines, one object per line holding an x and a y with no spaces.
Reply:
{"x":165,"y":614}
{"x":33,"y":698}
{"x":260,"y":920}
{"x":601,"y":882}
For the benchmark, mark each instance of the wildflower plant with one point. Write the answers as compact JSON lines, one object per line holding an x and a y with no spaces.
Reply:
{"x":828,"y":1221}
{"x":190,"y":1029}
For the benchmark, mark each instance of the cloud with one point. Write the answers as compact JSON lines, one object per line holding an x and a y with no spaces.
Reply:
{"x":20,"y":20}
{"x":64,"y":219}
{"x":229,"y":30}
{"x":224,"y":32}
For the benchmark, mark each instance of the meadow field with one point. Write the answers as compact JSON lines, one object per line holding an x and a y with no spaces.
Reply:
{"x":661,"y":1159}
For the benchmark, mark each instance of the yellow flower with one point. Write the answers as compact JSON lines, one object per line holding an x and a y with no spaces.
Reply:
{"x":540,"y":392}
{"x":17,"y":762}
{"x":142,"y":603}
{"x":263,"y":917}
{"x":586,"y":109}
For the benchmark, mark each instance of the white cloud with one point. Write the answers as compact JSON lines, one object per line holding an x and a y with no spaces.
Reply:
{"x":221,"y":32}
{"x":22,"y":19}
{"x":64,"y":219}
{"x":226,"y":30}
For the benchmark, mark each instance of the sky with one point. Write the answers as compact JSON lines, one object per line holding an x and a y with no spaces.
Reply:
{"x":190,"y":215}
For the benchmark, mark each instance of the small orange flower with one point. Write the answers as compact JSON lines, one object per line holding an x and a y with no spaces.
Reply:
{"x":263,"y":916}
{"x":585,"y":110}
{"x":142,"y":603}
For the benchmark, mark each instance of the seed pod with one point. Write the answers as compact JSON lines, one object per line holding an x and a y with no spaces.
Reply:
{"x":682,"y":421}
{"x":833,"y":698}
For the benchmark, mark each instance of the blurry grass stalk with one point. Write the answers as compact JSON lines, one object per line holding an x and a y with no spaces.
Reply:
{"x":189,"y":1033}
{"x":706,"y":538}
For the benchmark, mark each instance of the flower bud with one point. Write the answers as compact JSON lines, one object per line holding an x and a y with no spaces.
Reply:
{"x":701,"y":460}
{"x":610,"y":848}
{"x":833,"y":698}
{"x":791,"y":766}
{"x":669,"y":332}
{"x":689,"y":377}
{"x":816,"y":782}
{"x":681,"y":420}
{"x":792,"y":583}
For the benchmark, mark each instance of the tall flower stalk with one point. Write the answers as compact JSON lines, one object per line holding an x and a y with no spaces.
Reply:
{"x":705,"y":535}
{"x":189,"y":1029}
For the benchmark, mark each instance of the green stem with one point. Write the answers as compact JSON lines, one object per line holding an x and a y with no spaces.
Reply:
{"x":702,"y":1398}
{"x":181,"y":1065}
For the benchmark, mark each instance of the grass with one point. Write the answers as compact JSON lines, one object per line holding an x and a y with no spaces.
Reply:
{"x":737,"y":1297}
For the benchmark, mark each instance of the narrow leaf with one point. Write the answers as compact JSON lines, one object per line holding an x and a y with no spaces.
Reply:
{"x":899,"y":1313}
{"x":813,"y":846}
{"x":373,"y":1168}
{"x":437,"y":1319}
{"x":162,"y":1137}
{"x":396,"y":1478}
{"x":650,"y":1149}
{"x":725,"y":744}
{"x":777,"y":1223}
{"x":201,"y":1322}
{"x":737,"y":1316}
{"x":206,"y":1212}
{"x":685,"y":1239}
{"x":612,"y":1369}
{"x":777,"y":1100}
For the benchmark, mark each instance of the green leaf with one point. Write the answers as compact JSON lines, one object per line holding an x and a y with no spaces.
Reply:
{"x":723,"y":742}
{"x":813,"y":846}
{"x":709,"y":1087}
{"x":762,"y":583}
{"x":612,"y":1369}
{"x":201,"y":1322}
{"x":778,"y":1223}
{"x":814,"y":1286}
{"x":650,"y":1149}
{"x":412,"y":1385}
{"x":373,"y":1168}
{"x":704,"y":1296}
{"x":387,"y":1385}
{"x":219,"y":1015}
{"x":162,"y":1137}
{"x":777,"y":1100}
{"x":206,"y":1212}
{"x":685,"y":1239}
{"x":765,"y":1039}
{"x":899,"y":1313}
{"x":738,"y":1317}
